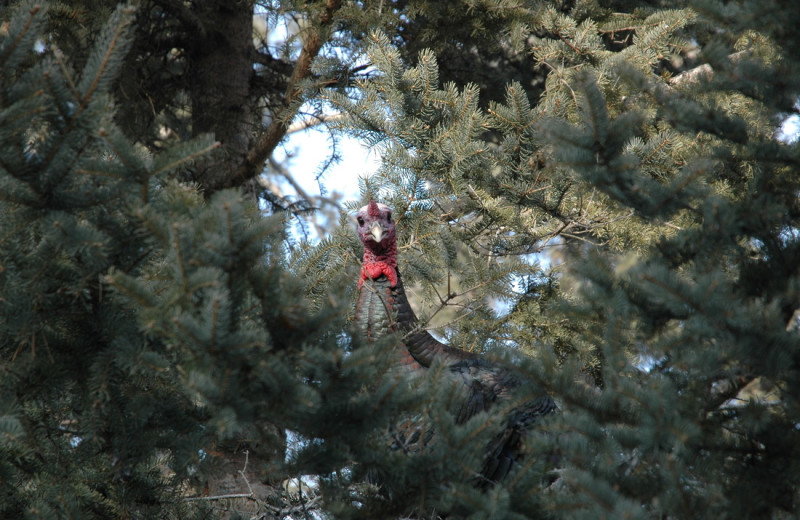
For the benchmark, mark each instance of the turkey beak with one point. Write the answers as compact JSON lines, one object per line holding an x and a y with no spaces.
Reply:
{"x":376,"y":230}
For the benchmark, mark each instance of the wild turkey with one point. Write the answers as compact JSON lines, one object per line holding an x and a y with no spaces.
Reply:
{"x":383,"y":308}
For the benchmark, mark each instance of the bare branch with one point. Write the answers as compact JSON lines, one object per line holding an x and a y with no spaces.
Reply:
{"x":244,"y":468}
{"x":723,"y":390}
{"x":312,"y":121}
{"x":258,"y":155}
{"x":303,"y":507}
{"x":221,"y":497}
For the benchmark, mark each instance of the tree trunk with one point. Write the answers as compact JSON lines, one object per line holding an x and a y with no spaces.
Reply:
{"x":221,"y":67}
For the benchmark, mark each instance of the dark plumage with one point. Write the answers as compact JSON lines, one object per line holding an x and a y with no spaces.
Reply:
{"x":383,"y":308}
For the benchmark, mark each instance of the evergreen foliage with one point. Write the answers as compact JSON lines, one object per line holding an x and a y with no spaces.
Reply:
{"x":681,"y":306}
{"x":601,"y":199}
{"x":142,"y":327}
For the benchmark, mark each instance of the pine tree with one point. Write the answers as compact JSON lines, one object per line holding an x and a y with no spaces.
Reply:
{"x":675,"y":205}
{"x":152,"y":334}
{"x":144,"y":327}
{"x":76,"y":400}
{"x":608,"y":172}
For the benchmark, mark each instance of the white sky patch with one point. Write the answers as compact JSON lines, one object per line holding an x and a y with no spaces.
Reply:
{"x":307,"y":155}
{"x":790,"y":129}
{"x":310,"y":152}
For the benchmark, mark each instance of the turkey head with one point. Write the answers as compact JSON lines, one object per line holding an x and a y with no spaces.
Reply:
{"x":376,"y":231}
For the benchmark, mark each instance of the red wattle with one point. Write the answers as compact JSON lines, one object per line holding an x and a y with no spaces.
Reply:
{"x":375,"y":270}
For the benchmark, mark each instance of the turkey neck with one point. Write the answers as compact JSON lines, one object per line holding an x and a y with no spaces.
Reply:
{"x":381,"y":255}
{"x":382,"y":309}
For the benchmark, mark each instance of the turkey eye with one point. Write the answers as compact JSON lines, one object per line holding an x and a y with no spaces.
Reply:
{"x":360,"y":221}
{"x":389,"y":218}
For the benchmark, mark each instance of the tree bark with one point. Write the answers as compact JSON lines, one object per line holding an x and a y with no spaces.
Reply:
{"x":224,"y":101}
{"x":313,"y":40}
{"x":221,"y":68}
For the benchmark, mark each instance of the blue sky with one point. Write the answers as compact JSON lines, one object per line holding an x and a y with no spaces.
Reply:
{"x":311,"y":150}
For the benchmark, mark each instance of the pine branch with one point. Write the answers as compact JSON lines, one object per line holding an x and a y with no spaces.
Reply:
{"x":112,"y":54}
{"x":22,"y":38}
{"x":258,"y":155}
{"x":187,"y":17}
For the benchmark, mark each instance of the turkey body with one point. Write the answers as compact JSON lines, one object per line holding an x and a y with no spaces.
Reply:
{"x":382,"y":308}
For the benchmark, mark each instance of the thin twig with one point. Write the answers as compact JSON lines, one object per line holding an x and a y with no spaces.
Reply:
{"x":312,"y":121}
{"x":258,"y":155}
{"x":242,"y":472}
{"x":221,"y":497}
{"x":250,"y":496}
